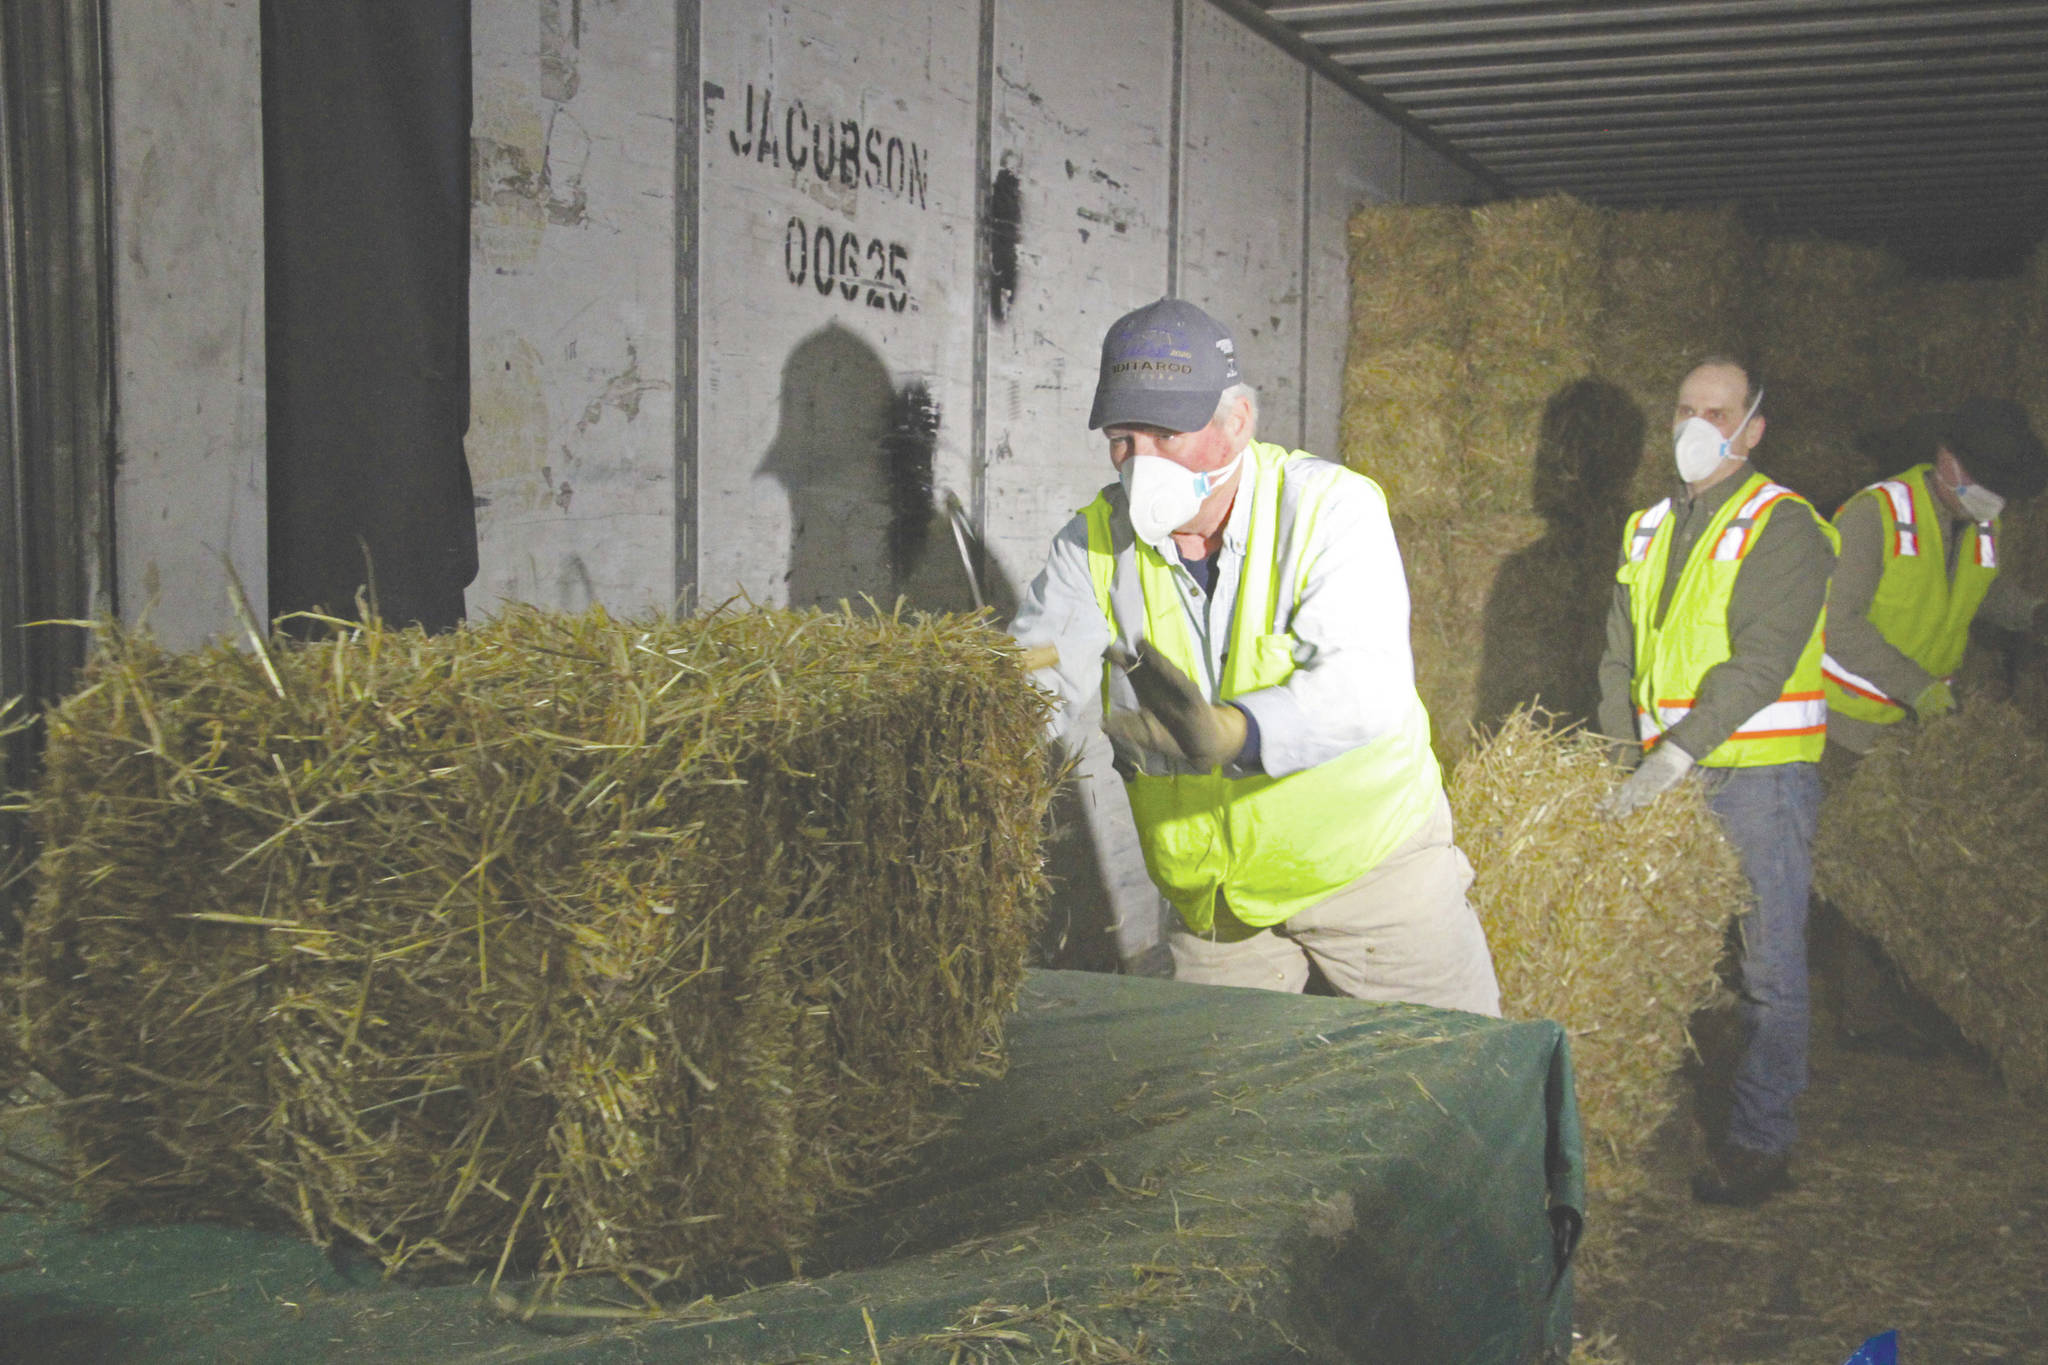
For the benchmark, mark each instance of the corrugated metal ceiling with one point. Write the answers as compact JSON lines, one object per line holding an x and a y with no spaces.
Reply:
{"x":1921,"y":125}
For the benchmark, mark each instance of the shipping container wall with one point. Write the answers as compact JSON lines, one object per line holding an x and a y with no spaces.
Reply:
{"x":571,"y":444}
{"x":184,"y":111}
{"x":837,"y":280}
{"x":904,"y":230}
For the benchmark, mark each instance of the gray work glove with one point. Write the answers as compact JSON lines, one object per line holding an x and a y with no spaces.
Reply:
{"x":1658,"y":773}
{"x":1936,"y":700}
{"x":1173,"y":717}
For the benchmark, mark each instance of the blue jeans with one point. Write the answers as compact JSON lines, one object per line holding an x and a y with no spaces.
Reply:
{"x":1769,"y":815}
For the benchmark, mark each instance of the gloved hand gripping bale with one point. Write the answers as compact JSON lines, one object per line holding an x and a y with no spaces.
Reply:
{"x":1655,"y":775}
{"x":1934,"y":701}
{"x":1173,"y":717}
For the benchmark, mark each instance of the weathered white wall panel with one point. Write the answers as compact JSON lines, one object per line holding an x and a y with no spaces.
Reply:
{"x":185,"y":124}
{"x":572,"y":282}
{"x":1243,"y":117}
{"x":837,"y":290}
{"x":1084,"y":129}
{"x":1354,"y":159}
{"x":1430,"y":177}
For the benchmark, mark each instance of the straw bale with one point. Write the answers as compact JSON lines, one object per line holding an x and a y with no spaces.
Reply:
{"x":1453,"y":577}
{"x":1938,"y":848}
{"x":1400,"y":423}
{"x":1817,"y":320}
{"x":1944,"y":340}
{"x":1615,"y":930}
{"x":1407,"y":267}
{"x":2030,"y":363}
{"x":587,"y":944}
{"x":1533,"y":287}
{"x":1404,"y":368}
{"x":1676,"y":286}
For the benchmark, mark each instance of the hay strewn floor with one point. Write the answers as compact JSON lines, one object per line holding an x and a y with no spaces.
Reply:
{"x":1922,"y":1205}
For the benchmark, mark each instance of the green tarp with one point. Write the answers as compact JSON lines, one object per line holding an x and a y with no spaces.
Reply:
{"x":1173,"y":1172}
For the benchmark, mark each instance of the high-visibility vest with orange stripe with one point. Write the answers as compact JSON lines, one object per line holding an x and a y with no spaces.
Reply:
{"x":1672,"y":658}
{"x":1916,"y":608}
{"x":1273,"y":846}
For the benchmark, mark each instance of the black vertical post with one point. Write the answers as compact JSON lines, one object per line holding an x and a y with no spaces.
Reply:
{"x":366,"y":109}
{"x":56,"y":360}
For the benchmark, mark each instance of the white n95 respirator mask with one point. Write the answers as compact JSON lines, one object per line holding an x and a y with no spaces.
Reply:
{"x":1699,"y":446}
{"x":1164,"y":497}
{"x":1981,"y":503}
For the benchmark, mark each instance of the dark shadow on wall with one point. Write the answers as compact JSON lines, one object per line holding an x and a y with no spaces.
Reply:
{"x":853,"y":452}
{"x":1545,"y":617}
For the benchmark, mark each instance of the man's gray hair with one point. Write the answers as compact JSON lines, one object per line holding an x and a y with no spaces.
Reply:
{"x":1231,"y":395}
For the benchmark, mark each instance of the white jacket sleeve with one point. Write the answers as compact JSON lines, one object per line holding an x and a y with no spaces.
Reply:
{"x":1354,"y":679}
{"x":1059,"y":608}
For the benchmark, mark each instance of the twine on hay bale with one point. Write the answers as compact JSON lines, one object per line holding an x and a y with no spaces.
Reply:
{"x":1937,"y":847}
{"x":560,"y":941}
{"x":1614,"y":929}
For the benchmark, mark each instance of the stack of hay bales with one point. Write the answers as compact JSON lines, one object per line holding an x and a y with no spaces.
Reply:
{"x":1453,"y":567}
{"x":1821,"y":359}
{"x":1476,"y":336}
{"x":1935,"y":847}
{"x":2030,"y":359}
{"x":1612,"y":929}
{"x":1675,"y":287}
{"x":1404,"y":378}
{"x":2026,"y":523}
{"x":577,"y":943}
{"x":1533,"y":295}
{"x":1943,"y":340}
{"x":2023,"y":541}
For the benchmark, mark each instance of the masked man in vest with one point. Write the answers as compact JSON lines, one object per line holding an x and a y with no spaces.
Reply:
{"x":1239,"y":614}
{"x":1919,"y":563}
{"x":1713,"y":667}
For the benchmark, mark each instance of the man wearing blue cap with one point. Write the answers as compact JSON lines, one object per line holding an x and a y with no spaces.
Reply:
{"x":1242,"y":613}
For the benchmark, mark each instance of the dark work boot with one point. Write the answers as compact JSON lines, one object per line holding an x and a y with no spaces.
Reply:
{"x":1741,"y":1177}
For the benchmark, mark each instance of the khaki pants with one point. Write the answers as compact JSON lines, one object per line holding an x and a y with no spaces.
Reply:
{"x":1402,"y":932}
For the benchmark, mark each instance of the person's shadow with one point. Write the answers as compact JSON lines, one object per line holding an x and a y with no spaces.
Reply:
{"x":1545,"y":616}
{"x":854,"y":452}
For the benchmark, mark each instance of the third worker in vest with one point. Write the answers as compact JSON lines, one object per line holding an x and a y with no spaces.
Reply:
{"x":1919,"y":563}
{"x":1240,"y":614}
{"x":1713,"y":666}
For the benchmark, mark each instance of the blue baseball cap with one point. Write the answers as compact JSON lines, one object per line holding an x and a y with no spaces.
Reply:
{"x":1164,"y":365}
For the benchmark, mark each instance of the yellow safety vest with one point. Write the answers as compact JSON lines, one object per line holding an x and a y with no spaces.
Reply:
{"x":1272,"y":846}
{"x":1916,"y":608}
{"x":1671,"y":659}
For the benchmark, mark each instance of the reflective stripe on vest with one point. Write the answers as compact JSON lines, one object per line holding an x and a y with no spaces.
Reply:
{"x":1793,"y":713}
{"x":1271,"y":846}
{"x":1905,"y":531}
{"x":1643,"y":530}
{"x":1918,"y":609}
{"x":1833,"y":671}
{"x":1671,"y":660}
